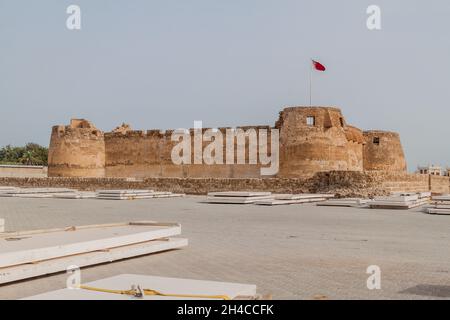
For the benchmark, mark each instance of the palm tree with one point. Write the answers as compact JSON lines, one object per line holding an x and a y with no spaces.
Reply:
{"x":27,"y":158}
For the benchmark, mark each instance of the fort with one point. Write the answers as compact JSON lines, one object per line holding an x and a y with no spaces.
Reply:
{"x":318,"y":151}
{"x":311,"y":140}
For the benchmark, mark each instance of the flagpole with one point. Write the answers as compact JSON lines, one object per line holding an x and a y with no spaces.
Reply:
{"x":310,"y":84}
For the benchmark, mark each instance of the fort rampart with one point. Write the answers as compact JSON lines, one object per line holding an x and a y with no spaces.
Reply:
{"x":311,"y":140}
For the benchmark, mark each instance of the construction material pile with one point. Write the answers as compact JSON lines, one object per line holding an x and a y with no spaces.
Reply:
{"x":440,"y":205}
{"x":134,"y":194}
{"x":132,"y":287}
{"x":64,"y":193}
{"x":346,"y":202}
{"x":263,"y":198}
{"x":30,"y":254}
{"x":34,"y":192}
{"x":76,"y":195}
{"x":401,"y":201}
{"x":237,"y":197}
{"x":7,"y":189}
{"x":285,"y":199}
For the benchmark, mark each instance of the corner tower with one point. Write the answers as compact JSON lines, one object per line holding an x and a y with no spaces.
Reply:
{"x":383,"y":151}
{"x":76,"y":150}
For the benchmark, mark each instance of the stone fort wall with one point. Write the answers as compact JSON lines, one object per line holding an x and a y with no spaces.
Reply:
{"x":312,"y":140}
{"x":141,"y":154}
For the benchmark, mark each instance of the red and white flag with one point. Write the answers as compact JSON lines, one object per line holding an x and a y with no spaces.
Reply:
{"x":318,"y":66}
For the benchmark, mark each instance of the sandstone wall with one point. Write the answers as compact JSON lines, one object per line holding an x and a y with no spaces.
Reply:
{"x":22,"y":171}
{"x":195,"y":186}
{"x":342,"y":183}
{"x":143,"y":154}
{"x":439,"y":184}
{"x":370,"y":183}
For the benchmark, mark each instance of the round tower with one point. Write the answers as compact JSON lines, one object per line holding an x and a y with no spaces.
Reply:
{"x":76,"y":150}
{"x":314,"y":139}
{"x":383,"y":151}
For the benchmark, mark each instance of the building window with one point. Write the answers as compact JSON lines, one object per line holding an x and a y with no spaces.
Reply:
{"x":376,"y":140}
{"x":311,"y":121}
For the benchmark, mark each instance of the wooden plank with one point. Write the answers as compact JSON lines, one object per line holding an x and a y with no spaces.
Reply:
{"x":124,"y":191}
{"x":275,"y":202}
{"x":350,"y":202}
{"x":77,"y":195}
{"x":398,"y":198}
{"x":25,"y":271}
{"x":239,"y":194}
{"x":236,"y":200}
{"x":40,"y":190}
{"x":161,"y":284}
{"x":441,"y":198}
{"x":438,"y":211}
{"x":27,"y":247}
{"x":301,"y":196}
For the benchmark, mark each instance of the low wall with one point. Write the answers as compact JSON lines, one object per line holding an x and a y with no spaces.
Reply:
{"x":439,"y":184}
{"x":342,"y":183}
{"x":23,"y":171}
{"x":179,"y":185}
{"x":370,"y":183}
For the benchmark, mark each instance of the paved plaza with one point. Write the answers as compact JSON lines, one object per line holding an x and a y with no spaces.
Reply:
{"x":291,"y":252}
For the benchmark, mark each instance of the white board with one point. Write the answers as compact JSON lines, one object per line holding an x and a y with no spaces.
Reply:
{"x":77,"y":195}
{"x":238,"y":194}
{"x":441,"y":198}
{"x":25,"y":271}
{"x":301,"y":196}
{"x":398,"y":198}
{"x":275,"y":202}
{"x":40,"y":190}
{"x":121,"y":192}
{"x":161,"y":284}
{"x":236,"y":200}
{"x":438,"y":211}
{"x":27,"y":247}
{"x":350,"y":202}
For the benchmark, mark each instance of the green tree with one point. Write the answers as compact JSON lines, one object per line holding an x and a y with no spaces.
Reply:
{"x":30,"y":154}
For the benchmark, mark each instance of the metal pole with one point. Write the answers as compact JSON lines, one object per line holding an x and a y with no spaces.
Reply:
{"x":310,"y":84}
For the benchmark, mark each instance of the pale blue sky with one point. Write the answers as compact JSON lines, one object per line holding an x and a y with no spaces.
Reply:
{"x":163,"y":64}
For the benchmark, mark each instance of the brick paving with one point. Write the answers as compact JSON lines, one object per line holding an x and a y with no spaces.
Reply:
{"x":291,"y":252}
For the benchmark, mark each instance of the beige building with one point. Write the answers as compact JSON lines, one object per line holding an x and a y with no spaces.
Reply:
{"x":431,"y":170}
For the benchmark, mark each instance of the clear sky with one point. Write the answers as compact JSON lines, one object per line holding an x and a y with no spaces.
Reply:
{"x":159,"y":64}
